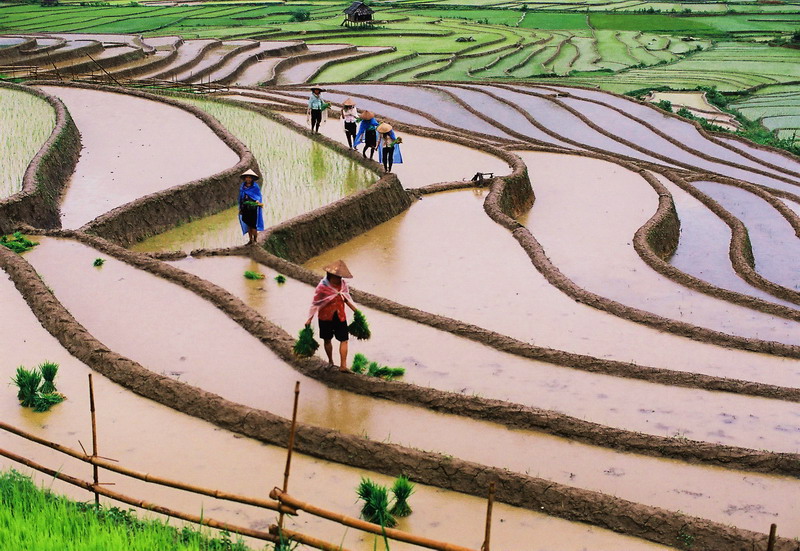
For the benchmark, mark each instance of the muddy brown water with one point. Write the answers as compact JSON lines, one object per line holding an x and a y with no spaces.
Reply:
{"x":434,"y":257}
{"x":298,"y":175}
{"x":133,"y":147}
{"x":703,"y":248}
{"x":148,"y":437}
{"x":585,"y":216}
{"x":440,"y":360}
{"x":172,"y":331}
{"x":425,"y":160}
{"x":776,"y":247}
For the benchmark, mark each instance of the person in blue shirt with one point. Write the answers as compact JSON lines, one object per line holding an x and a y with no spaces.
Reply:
{"x":316,"y":107}
{"x":251,"y":206}
{"x":388,"y":146}
{"x":367,"y":132}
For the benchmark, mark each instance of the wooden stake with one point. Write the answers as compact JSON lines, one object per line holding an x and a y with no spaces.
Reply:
{"x":488,"y":534}
{"x":95,"y":473}
{"x":290,"y":447}
{"x":773,"y":529}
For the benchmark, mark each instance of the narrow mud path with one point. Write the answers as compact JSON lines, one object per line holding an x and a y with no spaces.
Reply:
{"x":440,"y":360}
{"x":219,"y":356}
{"x":133,"y":147}
{"x":434,"y":257}
{"x":143,"y":435}
{"x":585,"y":216}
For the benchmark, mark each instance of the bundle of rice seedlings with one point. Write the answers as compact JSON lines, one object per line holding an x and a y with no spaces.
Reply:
{"x":359,"y":363}
{"x":27,"y":382}
{"x":375,"y":508}
{"x":389,"y":373}
{"x":48,"y":371}
{"x":43,"y":402}
{"x":98,"y":262}
{"x":17,"y":242}
{"x":359,"y":328}
{"x":402,"y":490}
{"x":306,"y":345}
{"x":281,"y":279}
{"x":253,"y":275}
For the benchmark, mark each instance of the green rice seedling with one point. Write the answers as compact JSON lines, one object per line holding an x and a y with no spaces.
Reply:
{"x":43,"y":402}
{"x":27,"y":381}
{"x":402,"y":490}
{"x":359,"y":363}
{"x":17,"y":242}
{"x":389,"y":373}
{"x":280,"y":279}
{"x":98,"y":262}
{"x":306,"y":345}
{"x":359,"y":328}
{"x":375,"y":508}
{"x":285,"y":543}
{"x":373,"y":368}
{"x":49,"y":370}
{"x":253,"y":275}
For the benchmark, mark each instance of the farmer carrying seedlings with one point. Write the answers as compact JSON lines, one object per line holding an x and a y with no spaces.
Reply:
{"x":316,"y":108}
{"x":367,"y":132}
{"x":330,"y":296}
{"x":389,"y":146}
{"x":349,"y":117}
{"x":250,"y":206}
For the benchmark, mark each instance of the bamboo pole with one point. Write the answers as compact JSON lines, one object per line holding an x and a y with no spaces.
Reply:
{"x":95,"y":469}
{"x":773,"y":529}
{"x":365,"y":526}
{"x":293,"y":536}
{"x":139,"y":502}
{"x":146,"y":477}
{"x":290,"y":447}
{"x":488,"y":533}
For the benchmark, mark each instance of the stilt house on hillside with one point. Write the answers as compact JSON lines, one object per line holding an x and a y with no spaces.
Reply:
{"x":358,"y":14}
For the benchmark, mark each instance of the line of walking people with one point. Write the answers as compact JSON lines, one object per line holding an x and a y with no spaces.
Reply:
{"x":359,"y":128}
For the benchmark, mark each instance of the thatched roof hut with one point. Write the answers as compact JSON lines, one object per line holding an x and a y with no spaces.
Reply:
{"x":358,"y":14}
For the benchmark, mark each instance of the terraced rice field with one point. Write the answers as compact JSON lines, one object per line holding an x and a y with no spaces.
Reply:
{"x":643,"y":373}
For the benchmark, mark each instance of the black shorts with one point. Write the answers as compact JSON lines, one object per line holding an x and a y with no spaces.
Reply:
{"x":249,"y":216}
{"x":334,"y":328}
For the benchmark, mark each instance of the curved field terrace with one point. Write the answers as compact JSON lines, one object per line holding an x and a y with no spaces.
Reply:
{"x":605,"y":324}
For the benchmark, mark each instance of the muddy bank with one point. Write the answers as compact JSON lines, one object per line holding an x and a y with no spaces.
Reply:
{"x":654,"y":524}
{"x":110,"y":160}
{"x":46,"y":175}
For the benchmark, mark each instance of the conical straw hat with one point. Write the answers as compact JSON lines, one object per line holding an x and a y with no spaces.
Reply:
{"x":385,"y":128}
{"x":349,"y":101}
{"x":338,"y":268}
{"x":249,"y":172}
{"x":367,"y":115}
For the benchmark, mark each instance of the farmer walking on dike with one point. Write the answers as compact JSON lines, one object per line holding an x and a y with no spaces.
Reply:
{"x":251,"y":206}
{"x":330,"y":296}
{"x":316,"y":108}
{"x":349,"y":117}
{"x":367,"y":132}
{"x":389,"y":146}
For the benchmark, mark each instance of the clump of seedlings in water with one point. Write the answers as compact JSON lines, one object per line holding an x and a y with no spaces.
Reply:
{"x":253,"y":275}
{"x":36,"y":388}
{"x":402,"y":490}
{"x":359,"y":328}
{"x":17,"y":242}
{"x":363,"y":366}
{"x":281,"y":279}
{"x":376,"y":506}
{"x":306,"y":345}
{"x":98,"y":262}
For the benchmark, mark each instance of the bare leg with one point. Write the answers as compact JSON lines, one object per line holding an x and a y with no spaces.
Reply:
{"x":343,"y":354}
{"x":253,"y":233}
{"x":328,"y":350}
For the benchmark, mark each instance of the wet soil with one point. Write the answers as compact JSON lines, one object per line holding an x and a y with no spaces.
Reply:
{"x":415,"y":259}
{"x":149,"y":437}
{"x":149,"y":147}
{"x":585,"y":216}
{"x":236,"y":370}
{"x":446,"y":362}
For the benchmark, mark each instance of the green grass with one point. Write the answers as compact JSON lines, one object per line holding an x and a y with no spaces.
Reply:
{"x":34,"y":518}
